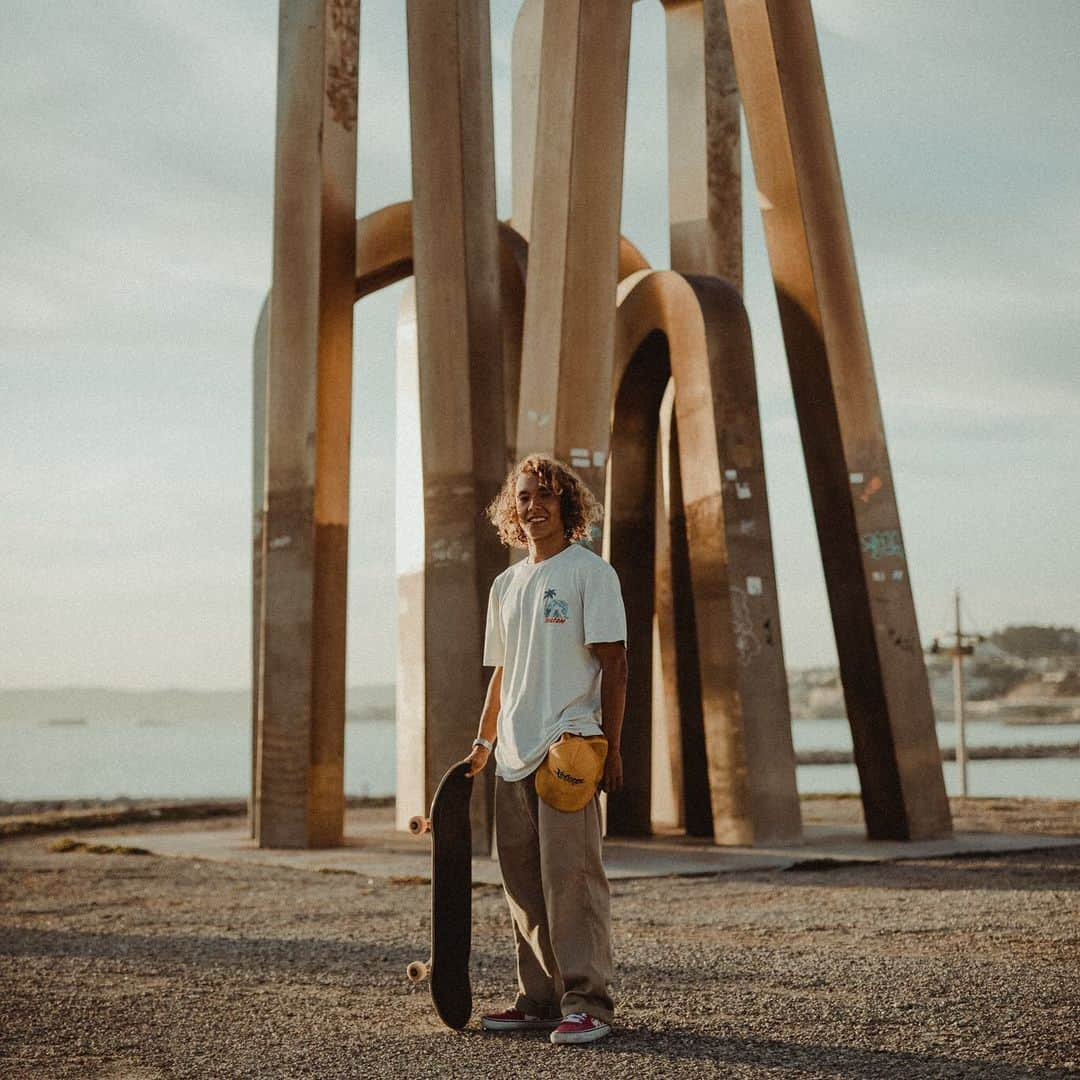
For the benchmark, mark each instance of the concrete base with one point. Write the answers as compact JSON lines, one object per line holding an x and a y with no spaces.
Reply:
{"x":374,"y":849}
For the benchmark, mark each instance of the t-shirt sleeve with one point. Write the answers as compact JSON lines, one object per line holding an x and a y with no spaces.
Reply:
{"x":494,"y":645}
{"x":605,"y":616}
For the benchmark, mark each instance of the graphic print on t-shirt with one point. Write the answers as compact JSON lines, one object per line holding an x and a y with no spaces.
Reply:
{"x":555,"y":610}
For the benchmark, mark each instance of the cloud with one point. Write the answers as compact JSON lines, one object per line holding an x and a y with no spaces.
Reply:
{"x":135,"y":231}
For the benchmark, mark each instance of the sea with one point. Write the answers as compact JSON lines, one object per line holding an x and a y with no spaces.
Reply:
{"x":200,"y":747}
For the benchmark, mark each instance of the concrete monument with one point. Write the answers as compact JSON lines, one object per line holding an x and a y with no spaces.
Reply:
{"x":551,"y":333}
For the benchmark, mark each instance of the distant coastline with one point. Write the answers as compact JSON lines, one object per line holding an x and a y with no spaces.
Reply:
{"x":74,"y":706}
{"x":1029,"y":752}
{"x":815,"y":694}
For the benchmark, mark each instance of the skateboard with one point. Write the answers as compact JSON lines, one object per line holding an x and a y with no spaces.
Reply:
{"x":451,"y":897}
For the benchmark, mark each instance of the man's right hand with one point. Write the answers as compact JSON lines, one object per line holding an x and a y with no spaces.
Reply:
{"x":477,"y":759}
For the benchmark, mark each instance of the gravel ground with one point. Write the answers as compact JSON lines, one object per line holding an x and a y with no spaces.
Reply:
{"x":121,"y":965}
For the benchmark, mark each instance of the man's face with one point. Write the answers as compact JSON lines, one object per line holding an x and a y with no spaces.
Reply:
{"x":538,"y":508}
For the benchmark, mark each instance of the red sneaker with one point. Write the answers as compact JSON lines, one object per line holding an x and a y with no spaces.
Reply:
{"x":516,"y":1020}
{"x":580,"y":1028}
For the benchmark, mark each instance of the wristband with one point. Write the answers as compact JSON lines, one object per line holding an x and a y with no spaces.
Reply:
{"x":487,"y":744}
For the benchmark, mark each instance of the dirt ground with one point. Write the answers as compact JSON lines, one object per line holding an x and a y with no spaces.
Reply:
{"x":125,"y":965}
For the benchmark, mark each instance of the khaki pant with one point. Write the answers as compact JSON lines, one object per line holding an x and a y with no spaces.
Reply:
{"x":559,"y":902}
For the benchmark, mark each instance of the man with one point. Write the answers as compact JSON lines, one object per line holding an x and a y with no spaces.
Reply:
{"x":556,"y":637}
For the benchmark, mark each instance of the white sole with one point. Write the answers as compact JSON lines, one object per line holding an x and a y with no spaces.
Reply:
{"x":571,"y":1038}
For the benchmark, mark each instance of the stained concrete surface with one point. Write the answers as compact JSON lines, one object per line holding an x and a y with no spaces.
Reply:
{"x":374,"y":849}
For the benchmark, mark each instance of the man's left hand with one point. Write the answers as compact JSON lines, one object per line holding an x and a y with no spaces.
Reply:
{"x":613,"y":777}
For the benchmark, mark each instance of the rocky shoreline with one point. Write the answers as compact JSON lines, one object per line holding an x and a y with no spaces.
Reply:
{"x":1028,"y":752}
{"x":40,"y":816}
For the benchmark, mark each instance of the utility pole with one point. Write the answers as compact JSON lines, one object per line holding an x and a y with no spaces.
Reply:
{"x":962,"y":645}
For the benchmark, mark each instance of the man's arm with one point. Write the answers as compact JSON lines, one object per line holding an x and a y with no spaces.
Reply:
{"x":489,"y":723}
{"x":612,"y":657}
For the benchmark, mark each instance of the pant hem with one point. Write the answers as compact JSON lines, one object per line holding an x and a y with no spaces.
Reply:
{"x":584,"y":1005}
{"x":532,"y":1008}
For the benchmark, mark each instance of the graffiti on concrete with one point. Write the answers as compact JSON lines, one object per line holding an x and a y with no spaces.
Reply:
{"x":908,"y":642}
{"x":885,"y":544}
{"x":342,"y":73}
{"x":448,"y":551}
{"x":873,"y":486}
{"x":746,"y":641}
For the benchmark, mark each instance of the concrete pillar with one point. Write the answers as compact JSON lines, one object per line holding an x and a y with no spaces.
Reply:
{"x":524,"y":102}
{"x":384,"y":255}
{"x":667,"y":763}
{"x":680,"y":654}
{"x":761,"y":674}
{"x":813,"y":266}
{"x":631,"y":531}
{"x":704,"y":159}
{"x":665,"y":716}
{"x":413,"y":682}
{"x":300,"y":797}
{"x":513,"y":268}
{"x":565,"y":398}
{"x":259,"y":371}
{"x":459,"y":347}
{"x":412,"y":795}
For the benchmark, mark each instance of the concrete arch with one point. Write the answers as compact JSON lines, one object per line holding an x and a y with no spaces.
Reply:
{"x":384,"y":256}
{"x":697,"y":330}
{"x":384,"y":249}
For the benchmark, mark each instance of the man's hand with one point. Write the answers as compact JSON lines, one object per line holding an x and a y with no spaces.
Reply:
{"x":477,"y":760}
{"x":612,"y":780}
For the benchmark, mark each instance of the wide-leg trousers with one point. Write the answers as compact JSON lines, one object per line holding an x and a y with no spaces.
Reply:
{"x":559,"y":901}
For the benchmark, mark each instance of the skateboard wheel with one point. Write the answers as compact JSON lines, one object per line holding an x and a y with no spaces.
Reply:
{"x":419,"y":825}
{"x":417,"y":971}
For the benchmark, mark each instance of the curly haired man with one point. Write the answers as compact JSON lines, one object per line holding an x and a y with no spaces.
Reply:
{"x":556,"y":637}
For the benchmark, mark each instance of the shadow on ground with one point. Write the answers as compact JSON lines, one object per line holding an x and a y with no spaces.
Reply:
{"x":685,"y":1044}
{"x":280,"y":955}
{"x":677,"y":1050}
{"x":1047,"y":870}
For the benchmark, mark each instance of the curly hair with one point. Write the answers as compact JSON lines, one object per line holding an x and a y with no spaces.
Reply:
{"x":580,"y":509}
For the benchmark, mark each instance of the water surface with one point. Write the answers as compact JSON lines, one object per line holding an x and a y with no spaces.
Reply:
{"x":210,"y":757}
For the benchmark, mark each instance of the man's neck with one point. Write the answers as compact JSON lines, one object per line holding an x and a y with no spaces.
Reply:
{"x":545,"y":549}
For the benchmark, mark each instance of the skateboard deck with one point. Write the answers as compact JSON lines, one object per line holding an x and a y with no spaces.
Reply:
{"x":451,"y":897}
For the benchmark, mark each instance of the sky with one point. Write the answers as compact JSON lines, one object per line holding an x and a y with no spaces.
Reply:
{"x":136,"y":202}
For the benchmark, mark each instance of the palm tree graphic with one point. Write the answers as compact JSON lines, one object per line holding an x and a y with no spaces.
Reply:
{"x":549,"y":594}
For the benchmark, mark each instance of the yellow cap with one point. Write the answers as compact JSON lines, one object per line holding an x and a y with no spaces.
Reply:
{"x":568,"y":777}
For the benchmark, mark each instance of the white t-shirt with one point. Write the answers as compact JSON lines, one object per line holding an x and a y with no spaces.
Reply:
{"x":541,"y":618}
